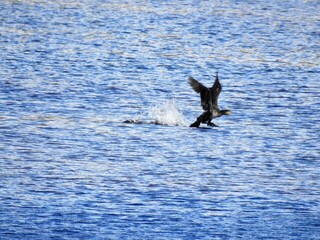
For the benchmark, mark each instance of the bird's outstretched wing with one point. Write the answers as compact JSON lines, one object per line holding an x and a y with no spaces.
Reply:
{"x":197,"y":86}
{"x":215,"y":91}
{"x":204,"y":91}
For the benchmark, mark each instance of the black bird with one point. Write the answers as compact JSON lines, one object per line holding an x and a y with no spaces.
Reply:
{"x":209,"y":101}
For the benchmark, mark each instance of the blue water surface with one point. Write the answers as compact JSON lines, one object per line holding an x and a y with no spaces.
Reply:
{"x":72,"y":71}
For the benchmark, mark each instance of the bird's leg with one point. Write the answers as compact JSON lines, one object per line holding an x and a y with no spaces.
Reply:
{"x":201,"y":119}
{"x":211,"y":124}
{"x":204,"y":117}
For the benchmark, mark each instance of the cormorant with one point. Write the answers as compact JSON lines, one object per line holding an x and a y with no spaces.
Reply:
{"x":209,"y":101}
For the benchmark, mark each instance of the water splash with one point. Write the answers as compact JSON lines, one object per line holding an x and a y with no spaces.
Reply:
{"x":167,"y":113}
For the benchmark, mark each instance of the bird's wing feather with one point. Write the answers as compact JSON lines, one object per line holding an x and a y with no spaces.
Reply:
{"x":197,"y":86}
{"x":215,"y":91}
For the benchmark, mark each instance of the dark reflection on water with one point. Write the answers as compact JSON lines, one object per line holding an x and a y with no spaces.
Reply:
{"x":72,"y":72}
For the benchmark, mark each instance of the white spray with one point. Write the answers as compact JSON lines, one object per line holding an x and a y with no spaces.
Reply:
{"x":167,"y":113}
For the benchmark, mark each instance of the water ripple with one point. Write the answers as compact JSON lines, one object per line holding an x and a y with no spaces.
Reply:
{"x":95,"y":108}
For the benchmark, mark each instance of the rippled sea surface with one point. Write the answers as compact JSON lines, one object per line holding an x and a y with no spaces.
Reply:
{"x":72,"y":71}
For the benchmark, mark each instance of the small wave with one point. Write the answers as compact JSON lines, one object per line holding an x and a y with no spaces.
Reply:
{"x":167,"y":113}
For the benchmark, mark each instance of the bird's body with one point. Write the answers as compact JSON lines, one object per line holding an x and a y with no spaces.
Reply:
{"x":209,"y":101}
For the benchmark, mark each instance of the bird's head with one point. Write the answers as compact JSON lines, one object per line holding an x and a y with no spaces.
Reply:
{"x":225,"y":112}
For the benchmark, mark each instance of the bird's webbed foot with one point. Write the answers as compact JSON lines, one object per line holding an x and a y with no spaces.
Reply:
{"x":195,"y":124}
{"x":211,"y":124}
